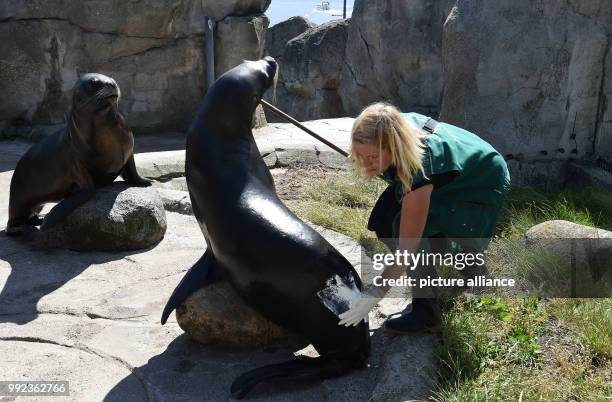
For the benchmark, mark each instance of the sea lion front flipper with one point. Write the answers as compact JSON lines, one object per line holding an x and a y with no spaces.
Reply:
{"x":131,"y":176}
{"x":199,"y":275}
{"x":65,"y":207}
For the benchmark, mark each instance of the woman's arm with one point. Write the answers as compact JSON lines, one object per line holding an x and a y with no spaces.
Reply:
{"x":415,"y":207}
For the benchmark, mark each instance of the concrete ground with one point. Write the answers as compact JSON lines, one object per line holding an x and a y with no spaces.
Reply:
{"x":93,"y":318}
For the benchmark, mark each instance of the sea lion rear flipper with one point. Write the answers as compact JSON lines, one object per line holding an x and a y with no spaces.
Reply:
{"x":131,"y":176}
{"x":65,"y":207}
{"x":302,"y":368}
{"x":199,"y":275}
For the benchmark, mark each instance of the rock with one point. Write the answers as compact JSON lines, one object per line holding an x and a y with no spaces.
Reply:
{"x":408,"y":371}
{"x":310,"y":73}
{"x":278,"y":135}
{"x":281,"y":33}
{"x":531,"y":77}
{"x":176,"y":201}
{"x":118,"y":217}
{"x":161,"y":165}
{"x":175,"y":184}
{"x":152,"y":49}
{"x":238,"y":39}
{"x":259,"y":118}
{"x":580,"y":254}
{"x":394,"y":53}
{"x":215,"y":314}
{"x":580,"y":176}
{"x":558,"y":229}
{"x":219,"y":10}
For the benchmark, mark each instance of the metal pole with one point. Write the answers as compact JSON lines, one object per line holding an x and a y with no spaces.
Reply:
{"x":344,"y":10}
{"x":210,"y":51}
{"x":284,"y":115}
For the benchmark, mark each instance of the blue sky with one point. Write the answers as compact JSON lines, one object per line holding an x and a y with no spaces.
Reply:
{"x":280,"y":10}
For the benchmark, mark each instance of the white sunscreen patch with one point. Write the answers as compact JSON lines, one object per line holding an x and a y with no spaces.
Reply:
{"x":339,"y":294}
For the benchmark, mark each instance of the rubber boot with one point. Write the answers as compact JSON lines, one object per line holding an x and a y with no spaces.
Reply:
{"x":423,"y":318}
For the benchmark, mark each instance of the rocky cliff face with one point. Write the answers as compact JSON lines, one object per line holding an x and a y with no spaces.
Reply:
{"x":389,"y":50}
{"x":533,"y":78}
{"x":311,"y":72}
{"x":154,"y":50}
{"x":394,"y":53}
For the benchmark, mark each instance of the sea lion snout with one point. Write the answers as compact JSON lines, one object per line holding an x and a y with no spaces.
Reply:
{"x":95,"y":89}
{"x":98,"y":85}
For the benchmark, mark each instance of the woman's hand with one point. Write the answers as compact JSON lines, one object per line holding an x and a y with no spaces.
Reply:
{"x":415,"y":207}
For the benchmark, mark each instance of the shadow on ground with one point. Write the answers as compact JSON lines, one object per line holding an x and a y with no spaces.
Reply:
{"x":187,"y":370}
{"x":35,"y":273}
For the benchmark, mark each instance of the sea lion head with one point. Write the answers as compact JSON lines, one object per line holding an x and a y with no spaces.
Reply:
{"x":237,"y":92}
{"x":95,"y":93}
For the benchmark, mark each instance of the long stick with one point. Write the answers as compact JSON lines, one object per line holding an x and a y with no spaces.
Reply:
{"x":284,"y":115}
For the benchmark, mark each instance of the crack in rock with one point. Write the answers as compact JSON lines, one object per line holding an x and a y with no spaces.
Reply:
{"x":86,"y":349}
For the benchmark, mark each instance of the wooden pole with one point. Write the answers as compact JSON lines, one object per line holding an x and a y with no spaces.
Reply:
{"x":296,"y":123}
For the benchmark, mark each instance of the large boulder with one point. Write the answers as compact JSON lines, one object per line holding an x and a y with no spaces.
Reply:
{"x":559,"y":229}
{"x":154,"y":50}
{"x":579,"y":256}
{"x":531,"y":77}
{"x":238,"y":39}
{"x":311,"y":73}
{"x":217,"y":10}
{"x":281,"y":33}
{"x":394,"y":53}
{"x":215,"y":314}
{"x":118,"y":217}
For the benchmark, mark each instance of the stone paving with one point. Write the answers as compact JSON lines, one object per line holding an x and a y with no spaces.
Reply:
{"x":93,"y":318}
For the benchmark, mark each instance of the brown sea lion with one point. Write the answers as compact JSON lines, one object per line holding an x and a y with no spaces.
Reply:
{"x":96,"y":146}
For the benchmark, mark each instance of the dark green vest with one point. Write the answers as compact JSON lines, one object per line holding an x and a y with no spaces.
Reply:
{"x":470,"y":205}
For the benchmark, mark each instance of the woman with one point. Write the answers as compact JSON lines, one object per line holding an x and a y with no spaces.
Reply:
{"x":444,"y":182}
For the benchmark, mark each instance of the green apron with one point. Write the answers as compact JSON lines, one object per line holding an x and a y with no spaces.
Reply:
{"x":470,"y":205}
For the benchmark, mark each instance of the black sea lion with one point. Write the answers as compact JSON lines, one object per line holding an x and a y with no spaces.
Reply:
{"x":275,"y":262}
{"x":96,"y":146}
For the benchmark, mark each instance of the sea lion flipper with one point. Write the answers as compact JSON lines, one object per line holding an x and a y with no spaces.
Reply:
{"x":301,"y":367}
{"x":65,"y":207}
{"x":131,"y":176}
{"x":199,"y":275}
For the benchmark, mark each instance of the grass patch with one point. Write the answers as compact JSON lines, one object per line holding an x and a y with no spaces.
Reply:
{"x":527,"y":207}
{"x":342,"y":203}
{"x":501,"y":348}
{"x":590,"y":320}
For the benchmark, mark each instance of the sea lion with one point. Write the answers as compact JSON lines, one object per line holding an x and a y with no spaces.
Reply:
{"x":279,"y":265}
{"x":96,"y":146}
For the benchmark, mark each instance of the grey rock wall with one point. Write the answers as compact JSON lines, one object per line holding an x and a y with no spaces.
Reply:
{"x":219,"y":9}
{"x":153,"y":49}
{"x":388,"y":50}
{"x":532,"y":78}
{"x":281,"y":33}
{"x":239,"y":38}
{"x":311,"y":72}
{"x":394,"y":53}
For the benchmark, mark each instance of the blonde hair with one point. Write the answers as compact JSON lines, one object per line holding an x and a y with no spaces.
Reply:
{"x":382,"y":124}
